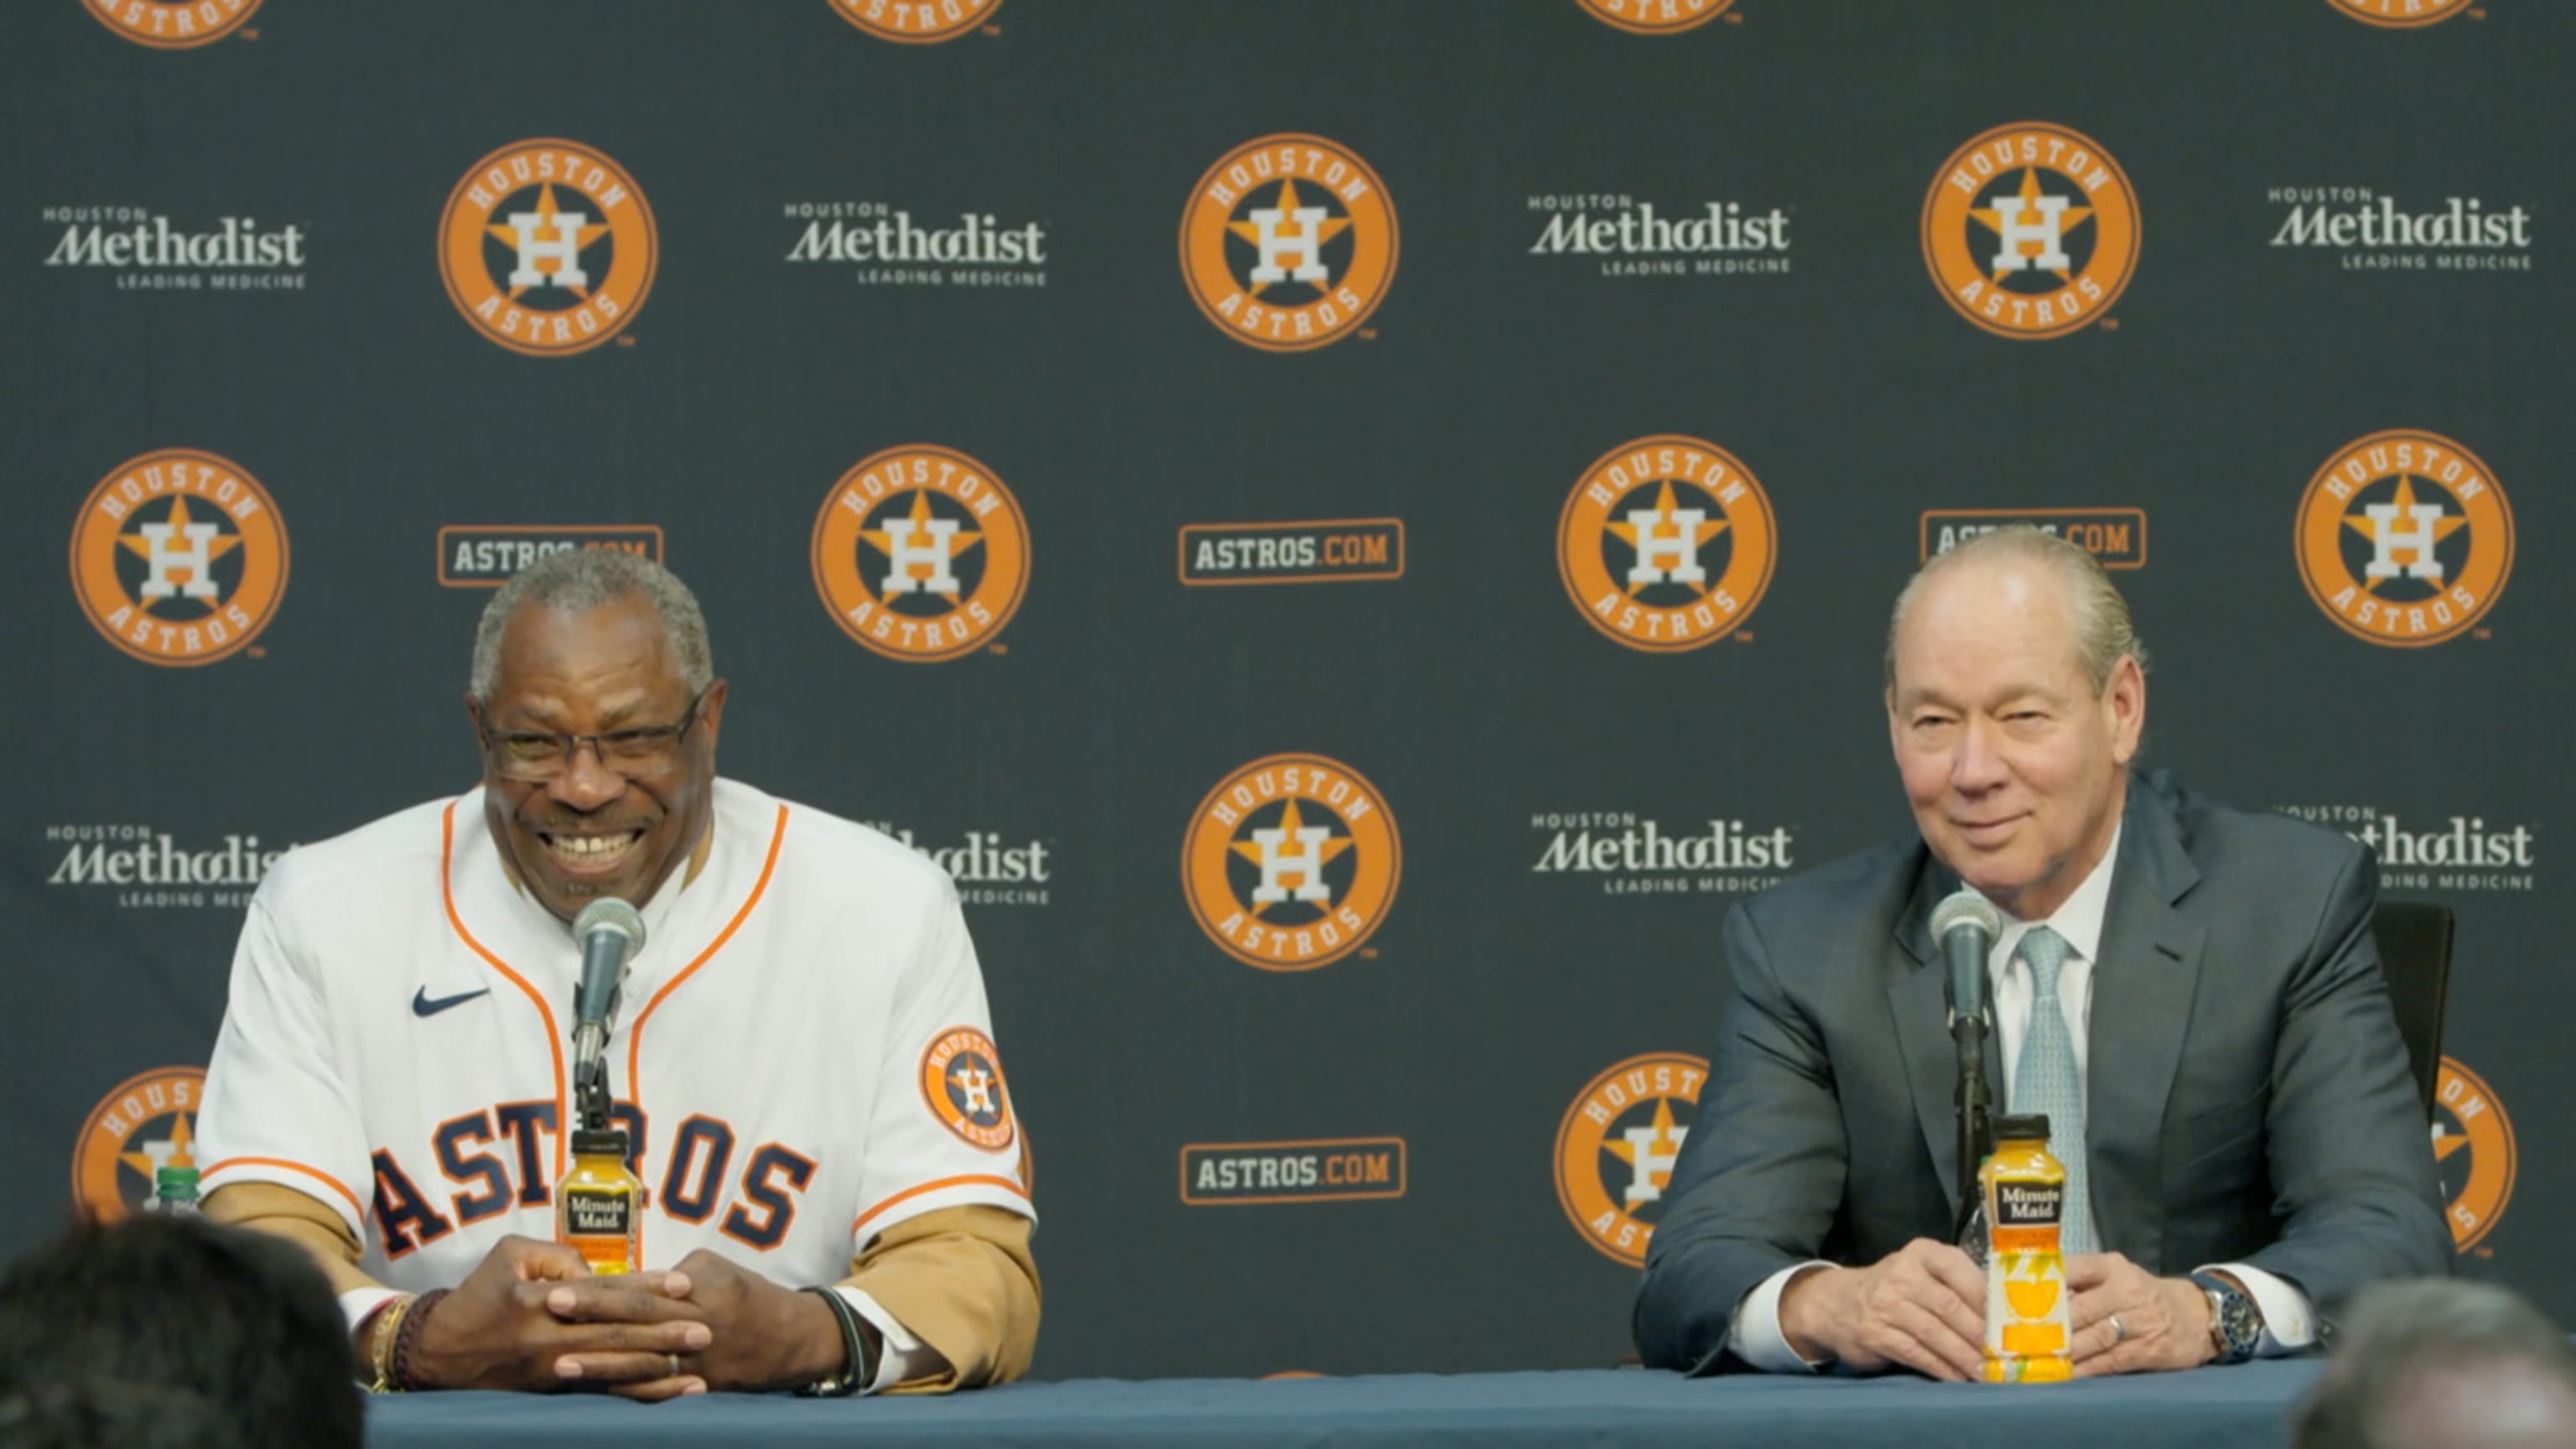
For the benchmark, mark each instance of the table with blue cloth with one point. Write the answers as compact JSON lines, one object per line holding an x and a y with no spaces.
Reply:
{"x":2208,"y":1408}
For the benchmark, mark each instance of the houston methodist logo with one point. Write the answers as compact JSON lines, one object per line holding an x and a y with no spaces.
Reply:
{"x":921,"y":553}
{"x":2031,"y":230}
{"x":1666,"y":543}
{"x":179,"y":557}
{"x":172,"y":24}
{"x":2401,"y":14}
{"x":2473,"y":1150}
{"x":1655,"y":17}
{"x":1288,"y":242}
{"x":917,"y":22}
{"x":1616,"y":1149}
{"x":147,"y":1123}
{"x":547,"y":247}
{"x":2404,"y":538}
{"x":1290,"y":862}
{"x":961,"y":1080}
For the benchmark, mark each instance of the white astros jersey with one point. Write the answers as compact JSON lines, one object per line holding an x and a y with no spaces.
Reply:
{"x":802,"y":1052}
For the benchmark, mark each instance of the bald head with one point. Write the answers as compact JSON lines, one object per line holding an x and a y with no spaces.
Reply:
{"x":2441,"y":1362}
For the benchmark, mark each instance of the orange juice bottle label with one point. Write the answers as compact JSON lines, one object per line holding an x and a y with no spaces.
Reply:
{"x":2028,"y":1332}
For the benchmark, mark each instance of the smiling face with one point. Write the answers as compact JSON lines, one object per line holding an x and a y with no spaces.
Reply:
{"x":2015,"y":765}
{"x":591,"y":831}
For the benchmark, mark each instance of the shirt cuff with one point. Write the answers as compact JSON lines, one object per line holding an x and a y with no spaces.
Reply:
{"x":1756,"y":1337}
{"x":357,"y":1303}
{"x":2289,"y":1323}
{"x":902,"y":1356}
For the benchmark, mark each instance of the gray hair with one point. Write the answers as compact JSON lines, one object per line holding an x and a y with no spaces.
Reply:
{"x":2404,"y":1334}
{"x":2103,"y":634}
{"x":580,"y":579}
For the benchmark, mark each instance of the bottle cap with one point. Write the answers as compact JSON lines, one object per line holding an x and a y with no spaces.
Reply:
{"x":175,"y":1181}
{"x":599,"y":1141}
{"x":2019,"y":1127}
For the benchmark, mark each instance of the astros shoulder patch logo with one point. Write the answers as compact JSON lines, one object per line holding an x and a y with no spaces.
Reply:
{"x":146,"y":1123}
{"x":1616,"y":1148}
{"x":2031,"y":230}
{"x":961,"y":1080}
{"x":921,"y":554}
{"x":2404,"y":538}
{"x":179,"y":557}
{"x":1288,"y":242}
{"x":547,"y":247}
{"x":1291,"y":862}
{"x":1666,"y":543}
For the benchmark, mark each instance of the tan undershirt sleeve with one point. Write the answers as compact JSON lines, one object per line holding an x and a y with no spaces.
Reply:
{"x":961,"y":1280}
{"x":301,"y":1219}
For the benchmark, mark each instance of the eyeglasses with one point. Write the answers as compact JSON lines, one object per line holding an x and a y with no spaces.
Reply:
{"x":536,"y":756}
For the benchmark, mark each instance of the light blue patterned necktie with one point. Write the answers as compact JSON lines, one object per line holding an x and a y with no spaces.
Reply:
{"x":2045,"y":1080}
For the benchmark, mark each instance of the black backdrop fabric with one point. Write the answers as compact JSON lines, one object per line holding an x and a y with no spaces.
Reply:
{"x":1643,"y":356}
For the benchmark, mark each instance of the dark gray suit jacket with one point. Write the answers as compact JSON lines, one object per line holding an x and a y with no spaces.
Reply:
{"x":2248,"y":1098}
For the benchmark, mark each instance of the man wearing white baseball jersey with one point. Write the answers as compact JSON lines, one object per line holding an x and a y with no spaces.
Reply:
{"x":803,"y":1059}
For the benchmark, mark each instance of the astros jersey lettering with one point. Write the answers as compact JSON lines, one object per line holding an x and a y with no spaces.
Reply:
{"x":802,"y":1056}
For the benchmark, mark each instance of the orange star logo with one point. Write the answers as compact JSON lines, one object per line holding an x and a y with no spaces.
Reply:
{"x":1314,"y":234}
{"x":920,"y":538}
{"x":1297,"y":866}
{"x":2403,"y":554}
{"x":182,"y":1137}
{"x":508,"y":236}
{"x":2030,"y":195}
{"x":142,"y":547}
{"x":1664,"y":527}
{"x":1663,"y":1147}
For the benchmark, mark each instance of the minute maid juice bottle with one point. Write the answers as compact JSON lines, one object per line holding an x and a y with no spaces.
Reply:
{"x":2027,"y":1333}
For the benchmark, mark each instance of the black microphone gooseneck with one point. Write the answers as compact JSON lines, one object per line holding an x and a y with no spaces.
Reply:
{"x":1966,"y":924}
{"x":610,"y":932}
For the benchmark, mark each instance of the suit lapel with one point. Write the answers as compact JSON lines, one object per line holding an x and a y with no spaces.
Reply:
{"x":2142,"y":993}
{"x":1919,"y":1002}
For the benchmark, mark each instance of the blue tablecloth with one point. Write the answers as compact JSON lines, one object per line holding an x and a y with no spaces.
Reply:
{"x":1626,"y":1409}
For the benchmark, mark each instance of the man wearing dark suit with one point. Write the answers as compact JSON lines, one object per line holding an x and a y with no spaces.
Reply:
{"x":2247,"y":1147}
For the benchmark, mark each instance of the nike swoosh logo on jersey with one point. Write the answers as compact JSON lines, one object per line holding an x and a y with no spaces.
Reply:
{"x":421,"y":1005}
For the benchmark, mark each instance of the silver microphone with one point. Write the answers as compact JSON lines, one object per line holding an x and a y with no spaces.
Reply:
{"x":610,"y":932}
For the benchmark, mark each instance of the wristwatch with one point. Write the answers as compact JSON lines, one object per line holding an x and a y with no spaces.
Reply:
{"x":2235,"y":1324}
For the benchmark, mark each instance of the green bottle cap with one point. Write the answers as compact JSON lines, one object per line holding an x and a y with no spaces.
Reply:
{"x":175,"y":1182}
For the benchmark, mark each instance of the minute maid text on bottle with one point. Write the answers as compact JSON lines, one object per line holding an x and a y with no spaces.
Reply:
{"x":600,"y":1203}
{"x":2027,"y":1330}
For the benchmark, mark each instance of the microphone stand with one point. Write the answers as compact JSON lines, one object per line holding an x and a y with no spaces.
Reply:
{"x":1976,"y":1138}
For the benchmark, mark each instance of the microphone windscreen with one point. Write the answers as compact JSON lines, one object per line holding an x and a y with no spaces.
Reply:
{"x":1963,"y":907}
{"x":608,"y":913}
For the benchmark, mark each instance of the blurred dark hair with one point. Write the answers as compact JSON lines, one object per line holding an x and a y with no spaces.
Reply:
{"x":106,"y":1414}
{"x":243,"y":1320}
{"x":2401,"y":1334}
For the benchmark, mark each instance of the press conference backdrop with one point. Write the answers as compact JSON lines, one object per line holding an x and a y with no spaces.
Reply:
{"x":1355,"y":529}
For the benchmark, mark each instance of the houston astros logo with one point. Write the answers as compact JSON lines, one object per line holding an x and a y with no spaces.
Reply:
{"x":1288,"y":242}
{"x":2031,"y":230}
{"x":2404,"y":538}
{"x":961,"y":1080}
{"x":547,"y":247}
{"x":179,"y":557}
{"x":1616,"y":1149}
{"x":1291,"y":862}
{"x":147,"y":1123}
{"x":172,"y":24}
{"x":2401,"y":14}
{"x":1655,"y":17}
{"x":917,"y":22}
{"x":921,"y":553}
{"x":2473,"y":1150}
{"x":1666,"y":543}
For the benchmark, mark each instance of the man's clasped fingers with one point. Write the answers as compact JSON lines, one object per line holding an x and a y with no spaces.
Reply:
{"x":647,"y":1376}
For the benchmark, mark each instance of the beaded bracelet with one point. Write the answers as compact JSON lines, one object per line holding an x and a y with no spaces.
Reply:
{"x":408,"y":1338}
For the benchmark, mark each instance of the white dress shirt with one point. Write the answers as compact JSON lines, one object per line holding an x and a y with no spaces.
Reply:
{"x":2288,"y":1323}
